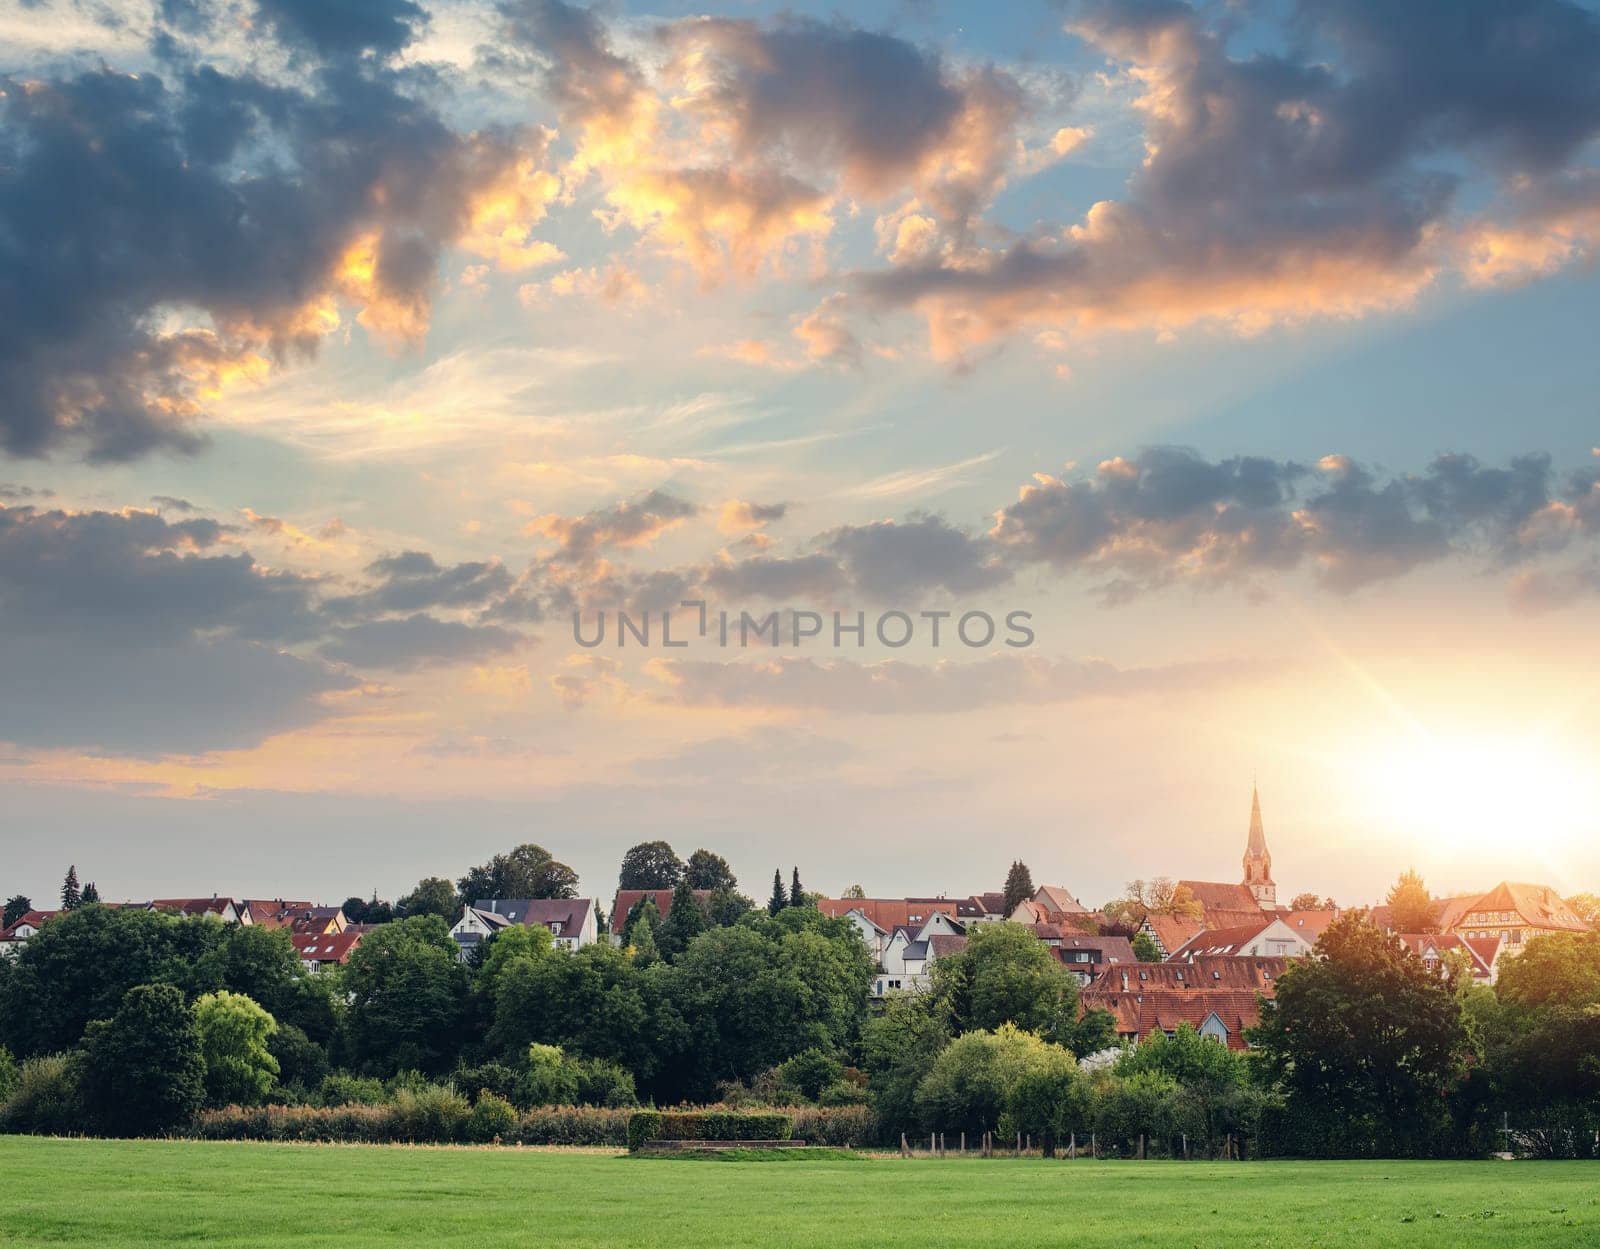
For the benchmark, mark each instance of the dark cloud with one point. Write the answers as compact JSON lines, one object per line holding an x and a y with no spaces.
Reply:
{"x":160,"y":235}
{"x":1284,"y":185}
{"x":626,"y":524}
{"x":414,"y":580}
{"x":417,"y":641}
{"x":1169,"y":515}
{"x":345,"y":27}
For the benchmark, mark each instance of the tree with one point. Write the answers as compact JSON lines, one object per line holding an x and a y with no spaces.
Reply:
{"x":897,"y":1048}
{"x":650,"y":865}
{"x":855,"y":893}
{"x":1558,"y":969}
{"x":811,"y":1071}
{"x":1019,"y":886}
{"x":1159,"y":895}
{"x":407,"y":989}
{"x":355,"y":909}
{"x":642,"y":942}
{"x":725,"y":906}
{"x":377,"y":911}
{"x":1047,"y":1099}
{"x":234,"y":1035}
{"x":709,"y":871}
{"x":972,"y":1079}
{"x":780,"y":897}
{"x":685,"y":921}
{"x":1145,"y":948}
{"x":1586,"y":906}
{"x":1006,"y":975}
{"x":505,"y":947}
{"x":90,"y":894}
{"x":529,"y":871}
{"x":71,"y":899}
{"x":17,"y":905}
{"x":797,"y":895}
{"x":1365,"y":1039}
{"x":434,"y":895}
{"x":1411,"y":907}
{"x":143,"y":1073}
{"x":1305,"y":902}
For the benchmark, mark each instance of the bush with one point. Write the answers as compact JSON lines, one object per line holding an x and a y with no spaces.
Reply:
{"x":837,"y":1125}
{"x":437,"y":1114}
{"x":302,"y":1063}
{"x":708,"y":1125}
{"x":340,"y":1088}
{"x":8,"y":1075}
{"x":574,"y":1125}
{"x":493,"y":1077}
{"x":811,"y":1071}
{"x":45,"y":1100}
{"x":842,"y":1093}
{"x":492,"y":1119}
{"x":602,"y":1083}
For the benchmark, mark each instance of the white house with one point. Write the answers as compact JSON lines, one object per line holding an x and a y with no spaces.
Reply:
{"x":1269,"y":938}
{"x":570,"y":921}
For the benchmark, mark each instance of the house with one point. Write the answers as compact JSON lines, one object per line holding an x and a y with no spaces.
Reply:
{"x":1264,"y":937}
{"x":570,"y":922}
{"x":1515,"y":913}
{"x":876,"y":919}
{"x":1223,"y":1015}
{"x":1088,"y":957}
{"x":1435,"y":950}
{"x":1258,"y":974}
{"x":1309,"y":924}
{"x":622,"y":906}
{"x":270,"y":913}
{"x":1170,"y":932}
{"x":224,"y":909}
{"x":1048,"y":905}
{"x":318,"y":921}
{"x":319,"y":951}
{"x":12,"y":939}
{"x":908,"y":954}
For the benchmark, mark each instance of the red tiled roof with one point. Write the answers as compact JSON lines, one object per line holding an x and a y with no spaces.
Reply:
{"x":891,"y":913}
{"x":1219,"y":941}
{"x":31,"y":918}
{"x":327,"y":947}
{"x":943,"y":944}
{"x":191,"y":906}
{"x":1171,"y":932}
{"x":1216,"y":896}
{"x":626,"y":898}
{"x":1258,"y":973}
{"x":1139,"y":1014}
{"x":1309,"y":924}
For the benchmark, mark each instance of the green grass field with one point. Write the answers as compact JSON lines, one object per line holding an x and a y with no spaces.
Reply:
{"x":106,"y":1193}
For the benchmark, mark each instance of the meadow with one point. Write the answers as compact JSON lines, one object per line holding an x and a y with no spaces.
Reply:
{"x":123,"y":1193}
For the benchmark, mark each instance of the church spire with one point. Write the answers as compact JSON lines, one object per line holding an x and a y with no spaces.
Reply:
{"x":1258,"y":859}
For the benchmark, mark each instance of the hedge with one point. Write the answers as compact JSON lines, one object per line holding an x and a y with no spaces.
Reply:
{"x":708,"y":1125}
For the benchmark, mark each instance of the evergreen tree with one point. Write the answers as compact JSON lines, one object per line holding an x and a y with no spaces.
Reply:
{"x":1145,"y":948}
{"x":642,"y":940}
{"x":71,"y":899}
{"x":17,"y":905}
{"x":779,"y":898}
{"x":643,"y":917}
{"x":686,"y":920}
{"x":1019,"y":885}
{"x":90,"y":893}
{"x":797,"y":895}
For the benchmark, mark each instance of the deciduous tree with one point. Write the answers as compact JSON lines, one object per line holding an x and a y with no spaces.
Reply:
{"x":705,"y":870}
{"x":143,"y":1073}
{"x":650,"y":865}
{"x":234,"y":1036}
{"x":529,"y":871}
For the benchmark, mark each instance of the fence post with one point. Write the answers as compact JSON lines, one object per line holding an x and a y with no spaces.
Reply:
{"x":1072,"y":1146}
{"x":941,"y":1144}
{"x":988,"y":1144}
{"x":1094,"y":1145}
{"x":1186,"y":1147}
{"x":905,"y":1149}
{"x":1141,"y":1146}
{"x":963,"y":1143}
{"x":1019,"y":1144}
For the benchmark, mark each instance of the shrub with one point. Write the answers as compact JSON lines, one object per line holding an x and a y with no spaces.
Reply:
{"x":574,"y":1125}
{"x":811,"y":1071}
{"x":708,"y":1125}
{"x":496,"y":1078}
{"x":492,"y":1119}
{"x":45,"y":1100}
{"x":602,"y":1083}
{"x":549,"y":1079}
{"x":436,"y":1113}
{"x":340,"y":1088}
{"x":842,"y":1093}
{"x":837,"y":1125}
{"x":8,"y":1075}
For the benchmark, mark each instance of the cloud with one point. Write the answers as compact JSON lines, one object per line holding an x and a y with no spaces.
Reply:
{"x":347,"y":29}
{"x":165,"y":238}
{"x":734,"y":145}
{"x":897,"y":687}
{"x":414,"y":580}
{"x":128,"y":632}
{"x":741,"y":515}
{"x":627,"y":524}
{"x":1169,"y":515}
{"x":417,"y":641}
{"x":1282,"y":186}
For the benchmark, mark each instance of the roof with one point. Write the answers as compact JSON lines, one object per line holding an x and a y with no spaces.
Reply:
{"x":1110,"y":949}
{"x":325,"y":947}
{"x":569,"y":913}
{"x":992,"y":903}
{"x":915,"y":950}
{"x":192,"y":906}
{"x":891,"y":913}
{"x":1309,"y":924}
{"x":944,"y":944}
{"x":1258,"y":973}
{"x":1215,"y":896}
{"x":626,"y":899}
{"x":1145,"y":1011}
{"x":1256,"y":846}
{"x":31,"y":919}
{"x":1221,"y":941}
{"x":1172,"y":931}
{"x":1540,"y":905}
{"x":271,"y":912}
{"x":1444,"y":942}
{"x":1057,"y":900}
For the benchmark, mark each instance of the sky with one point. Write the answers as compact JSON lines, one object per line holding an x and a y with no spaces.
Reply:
{"x":360,"y":360}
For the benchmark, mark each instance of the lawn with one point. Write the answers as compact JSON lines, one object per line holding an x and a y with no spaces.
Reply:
{"x":106,"y":1193}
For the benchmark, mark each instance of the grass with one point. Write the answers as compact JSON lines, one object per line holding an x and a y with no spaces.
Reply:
{"x":124,"y":1193}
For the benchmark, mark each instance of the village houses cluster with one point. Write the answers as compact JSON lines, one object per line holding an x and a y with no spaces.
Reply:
{"x":1215,"y":964}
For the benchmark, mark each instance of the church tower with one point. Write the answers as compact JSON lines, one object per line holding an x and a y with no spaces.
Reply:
{"x":1258,"y":859}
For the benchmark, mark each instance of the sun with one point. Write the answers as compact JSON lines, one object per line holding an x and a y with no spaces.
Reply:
{"x":1486,"y":790}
